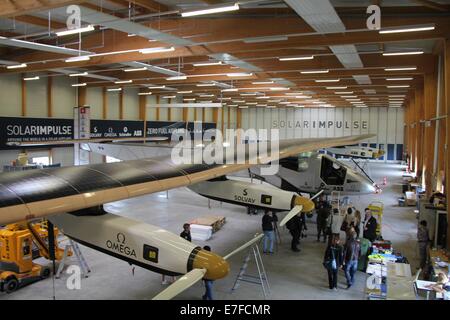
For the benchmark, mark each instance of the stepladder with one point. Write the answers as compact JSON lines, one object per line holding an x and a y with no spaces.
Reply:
{"x":260,"y":279}
{"x":73,"y":247}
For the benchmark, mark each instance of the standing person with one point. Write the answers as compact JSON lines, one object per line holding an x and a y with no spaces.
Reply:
{"x":352,"y":252}
{"x":208,"y":283}
{"x":323,"y":212}
{"x":357,"y":222}
{"x":295,"y":226}
{"x":335,"y":224}
{"x":370,"y":226}
{"x":269,"y":235}
{"x":423,"y":239}
{"x":186,"y":234}
{"x":332,"y":261}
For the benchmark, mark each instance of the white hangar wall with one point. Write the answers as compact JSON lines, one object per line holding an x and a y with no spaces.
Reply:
{"x":386,"y":123}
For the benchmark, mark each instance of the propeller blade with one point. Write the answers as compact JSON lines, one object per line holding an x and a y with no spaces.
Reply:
{"x":316,"y":195}
{"x":244,"y":246}
{"x":181,"y":284}
{"x":295,"y":210}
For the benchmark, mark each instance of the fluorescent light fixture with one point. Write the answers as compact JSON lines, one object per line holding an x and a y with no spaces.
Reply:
{"x":223,"y":98}
{"x":157,"y":49}
{"x":261,"y":105}
{"x":239,"y":74}
{"x":318,"y":102}
{"x":205,"y":85}
{"x":263,"y":97}
{"x":396,"y":99}
{"x":211,"y":10}
{"x":144,"y":93}
{"x":361,"y":106}
{"x":279,"y":89}
{"x":273,"y":101}
{"x":78,"y":59}
{"x":186,"y":91}
{"x":349,"y":97}
{"x":123,"y":81}
{"x":189,"y":99}
{"x":17,"y":66}
{"x":407,"y":29}
{"x":399,"y":86}
{"x":336,"y":88}
{"x":285,"y":102}
{"x":232,"y":105}
{"x":399,"y":106}
{"x":248,"y":94}
{"x":262,"y":82}
{"x":239,"y":101}
{"x":230,"y":90}
{"x":297,"y":106}
{"x":211,"y":63}
{"x":328,"y":80}
{"x":399,"y":79}
{"x":177,"y":78}
{"x":303,"y":97}
{"x":353,"y":99}
{"x":78,"y":74}
{"x":169,"y":97}
{"x":157,"y":87}
{"x":135,"y":69}
{"x":270,"y":107}
{"x":114,"y":89}
{"x":31,"y":78}
{"x":243,"y":107}
{"x":404,"y":53}
{"x":206,"y":95}
{"x":401,"y":69}
{"x":265,"y":39}
{"x":79,"y":85}
{"x":296,"y":58}
{"x":252,"y":103}
{"x":344,"y":92}
{"x":74,"y":31}
{"x":314,"y":71}
{"x":397,"y":96}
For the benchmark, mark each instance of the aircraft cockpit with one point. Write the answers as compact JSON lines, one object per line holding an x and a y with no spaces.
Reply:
{"x":332,"y":173}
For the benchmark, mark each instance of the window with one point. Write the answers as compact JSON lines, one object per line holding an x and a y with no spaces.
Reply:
{"x":332,"y":173}
{"x":45,"y":161}
{"x":111,"y":159}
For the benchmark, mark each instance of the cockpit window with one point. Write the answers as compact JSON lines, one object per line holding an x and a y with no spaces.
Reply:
{"x":332,"y":173}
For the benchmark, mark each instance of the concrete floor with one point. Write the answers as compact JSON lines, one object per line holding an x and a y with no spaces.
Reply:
{"x":291,"y":275}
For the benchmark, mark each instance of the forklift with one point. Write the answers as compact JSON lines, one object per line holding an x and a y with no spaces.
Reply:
{"x":20,"y":244}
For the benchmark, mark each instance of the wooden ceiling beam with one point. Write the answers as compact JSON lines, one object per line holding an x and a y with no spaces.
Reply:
{"x":433,"y":5}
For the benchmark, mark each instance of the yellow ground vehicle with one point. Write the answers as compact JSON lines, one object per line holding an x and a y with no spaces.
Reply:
{"x":20,"y":243}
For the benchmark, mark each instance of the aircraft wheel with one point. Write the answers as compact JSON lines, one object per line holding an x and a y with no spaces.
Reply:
{"x":11,"y":285}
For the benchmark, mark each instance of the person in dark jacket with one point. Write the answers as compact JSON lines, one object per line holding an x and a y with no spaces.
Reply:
{"x":332,"y":261}
{"x":370,"y":226}
{"x":352,"y":251}
{"x":269,"y":234}
{"x":323,"y":212}
{"x":186,"y":234}
{"x":295,"y":228}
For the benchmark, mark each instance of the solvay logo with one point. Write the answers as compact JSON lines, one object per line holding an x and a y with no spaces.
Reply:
{"x":244,"y":192}
{"x":373,"y":22}
{"x":74,"y":19}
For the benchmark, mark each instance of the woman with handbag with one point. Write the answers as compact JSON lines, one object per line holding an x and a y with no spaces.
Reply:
{"x":332,"y":261}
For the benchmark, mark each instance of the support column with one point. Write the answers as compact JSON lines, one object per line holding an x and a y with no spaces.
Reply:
{"x":447,"y":108}
{"x":104,"y":103}
{"x":81,"y":96}
{"x":24,"y":97}
{"x":121,"y":104}
{"x":143,"y":111}
{"x":430,"y":129}
{"x":238,"y":118}
{"x":157,"y":108}
{"x":419,"y":116}
{"x":49,"y":97}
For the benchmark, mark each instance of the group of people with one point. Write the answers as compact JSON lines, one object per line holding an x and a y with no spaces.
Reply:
{"x":329,"y":224}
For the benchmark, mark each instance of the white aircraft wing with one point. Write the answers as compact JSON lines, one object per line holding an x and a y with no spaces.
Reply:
{"x":37,"y":193}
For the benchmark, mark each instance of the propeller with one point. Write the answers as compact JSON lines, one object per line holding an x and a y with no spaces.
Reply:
{"x":193,"y":276}
{"x":181,"y":284}
{"x":301,"y":203}
{"x":244,"y":246}
{"x":294,"y":211}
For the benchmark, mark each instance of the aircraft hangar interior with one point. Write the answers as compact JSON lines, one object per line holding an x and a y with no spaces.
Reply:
{"x":224,"y":150}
